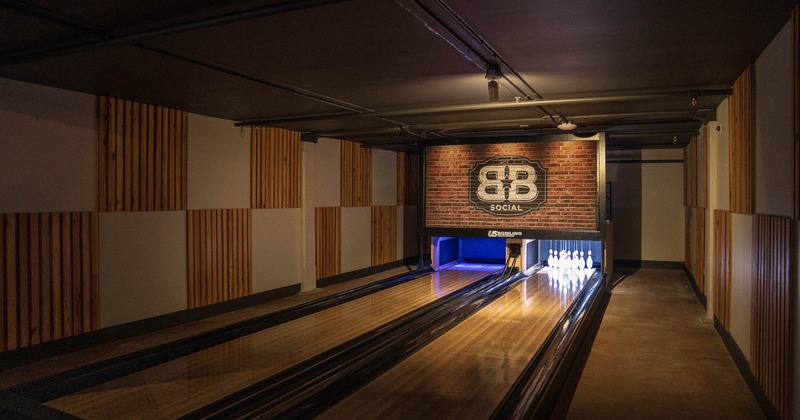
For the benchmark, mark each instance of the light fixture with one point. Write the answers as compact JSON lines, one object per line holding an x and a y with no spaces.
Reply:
{"x":566,"y":125}
{"x":492,"y":74}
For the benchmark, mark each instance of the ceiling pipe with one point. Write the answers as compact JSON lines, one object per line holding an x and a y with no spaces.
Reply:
{"x":491,"y":106}
{"x":646,"y":128}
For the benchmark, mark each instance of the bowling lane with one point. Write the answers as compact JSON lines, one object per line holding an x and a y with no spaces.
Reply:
{"x":466,"y":372}
{"x":182,"y":385}
{"x":96,"y":353}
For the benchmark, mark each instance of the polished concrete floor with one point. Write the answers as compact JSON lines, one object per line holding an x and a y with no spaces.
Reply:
{"x":657,"y":356}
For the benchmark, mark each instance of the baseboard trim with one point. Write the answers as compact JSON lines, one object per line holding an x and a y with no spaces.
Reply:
{"x":693,"y":282}
{"x":744,"y":369}
{"x":25,"y":355}
{"x":363,"y":272}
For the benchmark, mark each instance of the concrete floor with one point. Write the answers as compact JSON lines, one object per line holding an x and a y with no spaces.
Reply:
{"x":656,"y":356}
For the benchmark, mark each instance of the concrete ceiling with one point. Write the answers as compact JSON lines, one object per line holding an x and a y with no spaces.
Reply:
{"x":397,"y":73}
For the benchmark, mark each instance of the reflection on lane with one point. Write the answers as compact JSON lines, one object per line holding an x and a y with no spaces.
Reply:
{"x":179,"y":386}
{"x":466,"y":372}
{"x":473,"y":267}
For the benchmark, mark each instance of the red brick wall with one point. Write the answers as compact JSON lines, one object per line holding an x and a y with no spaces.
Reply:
{"x":571,"y":186}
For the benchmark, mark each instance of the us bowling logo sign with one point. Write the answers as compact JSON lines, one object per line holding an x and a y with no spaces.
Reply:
{"x":508,"y":185}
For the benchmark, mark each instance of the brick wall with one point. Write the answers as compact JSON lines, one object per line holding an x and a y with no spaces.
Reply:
{"x":571,"y":186}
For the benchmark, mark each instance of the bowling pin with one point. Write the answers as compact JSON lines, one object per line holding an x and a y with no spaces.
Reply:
{"x":581,"y":262}
{"x":550,"y":258}
{"x":589,"y":262}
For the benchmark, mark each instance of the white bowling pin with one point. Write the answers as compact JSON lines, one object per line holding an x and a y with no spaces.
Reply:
{"x":589,"y":262}
{"x":581,"y":262}
{"x":550,"y":258}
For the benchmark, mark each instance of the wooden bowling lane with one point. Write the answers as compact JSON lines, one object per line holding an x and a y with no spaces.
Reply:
{"x":466,"y":372}
{"x":52,"y":365}
{"x":182,"y":385}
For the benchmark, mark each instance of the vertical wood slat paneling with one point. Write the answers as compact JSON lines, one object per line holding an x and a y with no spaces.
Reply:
{"x":211,"y":261}
{"x":384,"y":234}
{"x":700,"y":249}
{"x":48,"y":281}
{"x":141,"y":157}
{"x":704,"y":166}
{"x":687,"y":238}
{"x":275,"y":168}
{"x":741,"y":149}
{"x":407,"y":179}
{"x":722,"y":267}
{"x":356,"y":179}
{"x":693,"y":172}
{"x":774,"y":297}
{"x":328,"y":241}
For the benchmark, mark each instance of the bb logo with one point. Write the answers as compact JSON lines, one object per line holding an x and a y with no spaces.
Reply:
{"x":508,"y":186}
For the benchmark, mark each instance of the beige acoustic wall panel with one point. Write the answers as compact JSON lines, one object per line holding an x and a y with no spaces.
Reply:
{"x":219,"y":164}
{"x":356,"y":238}
{"x":384,"y":178}
{"x":662,"y":212}
{"x":719,"y":159}
{"x":142,"y":265}
{"x":277,"y":248}
{"x":48,"y":149}
{"x":774,"y":128}
{"x":741,"y":279}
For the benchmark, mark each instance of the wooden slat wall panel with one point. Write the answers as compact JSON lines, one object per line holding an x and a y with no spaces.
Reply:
{"x":742,"y":144}
{"x":407,"y":179}
{"x":328,"y":241}
{"x":700,"y":249}
{"x":48,"y":280}
{"x":693,"y":171}
{"x":356,"y":175}
{"x":774,"y":297}
{"x":704,"y":166}
{"x":384,"y":234}
{"x":275,"y":168}
{"x":722,"y":267}
{"x":141,"y":157}
{"x":219,"y":251}
{"x":687,"y":239}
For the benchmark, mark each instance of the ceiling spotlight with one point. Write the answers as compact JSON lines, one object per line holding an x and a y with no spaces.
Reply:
{"x":492,"y":74}
{"x":566,"y":125}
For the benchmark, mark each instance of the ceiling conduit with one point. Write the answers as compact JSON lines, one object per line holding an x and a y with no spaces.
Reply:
{"x":495,"y":106}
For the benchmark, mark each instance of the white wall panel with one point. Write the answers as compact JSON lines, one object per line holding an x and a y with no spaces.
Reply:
{"x":384,"y":178}
{"x":218,"y":173}
{"x":356,"y":238}
{"x":48,"y":149}
{"x":142,"y":265}
{"x":277,"y":248}
{"x":741,"y":279}
{"x":774,"y":127}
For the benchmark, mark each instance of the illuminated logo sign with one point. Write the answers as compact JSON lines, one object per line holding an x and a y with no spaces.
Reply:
{"x":508,"y":186}
{"x":503,"y":234}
